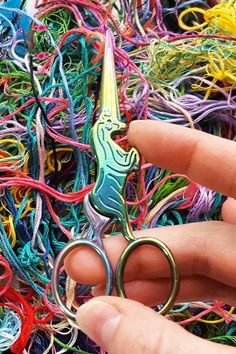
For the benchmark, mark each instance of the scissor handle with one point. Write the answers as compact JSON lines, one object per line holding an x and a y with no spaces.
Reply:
{"x":59,"y":263}
{"x":134,"y":244}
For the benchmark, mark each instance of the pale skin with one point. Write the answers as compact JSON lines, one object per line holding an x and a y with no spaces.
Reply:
{"x":205,"y":253}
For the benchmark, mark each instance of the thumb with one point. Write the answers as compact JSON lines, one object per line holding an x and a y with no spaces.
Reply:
{"x":127,"y":327}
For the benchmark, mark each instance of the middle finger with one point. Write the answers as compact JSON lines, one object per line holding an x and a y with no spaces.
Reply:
{"x":207,"y":248}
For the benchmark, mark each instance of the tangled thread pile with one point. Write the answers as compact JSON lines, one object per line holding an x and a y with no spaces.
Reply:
{"x":175,"y":61}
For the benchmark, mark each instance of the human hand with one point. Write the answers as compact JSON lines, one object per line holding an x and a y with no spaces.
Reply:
{"x":205,"y":253}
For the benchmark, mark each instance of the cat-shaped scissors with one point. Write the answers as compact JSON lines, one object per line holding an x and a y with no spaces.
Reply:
{"x":106,"y":201}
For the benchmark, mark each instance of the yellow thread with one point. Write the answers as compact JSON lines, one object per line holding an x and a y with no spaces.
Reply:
{"x":22,"y":157}
{"x":212,"y":59}
{"x":191,"y":10}
{"x":176,"y":314}
{"x":15,"y":142}
{"x":216,"y":321}
{"x":4,"y":207}
{"x":59,"y":151}
{"x":28,"y":208}
{"x":8,"y":222}
{"x":12,"y":231}
{"x":18,"y":194}
{"x":26,"y":164}
{"x":204,"y":321}
{"x":219,"y":68}
{"x":220,"y":18}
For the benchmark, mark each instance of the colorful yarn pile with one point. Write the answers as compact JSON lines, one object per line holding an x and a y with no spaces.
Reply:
{"x":175,"y":61}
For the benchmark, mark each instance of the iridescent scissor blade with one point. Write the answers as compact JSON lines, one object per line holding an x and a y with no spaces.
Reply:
{"x":109,"y":94}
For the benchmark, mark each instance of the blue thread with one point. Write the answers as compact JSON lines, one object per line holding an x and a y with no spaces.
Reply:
{"x":10,"y":329}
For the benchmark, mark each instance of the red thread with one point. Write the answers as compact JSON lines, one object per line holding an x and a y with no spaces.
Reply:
{"x":217,"y":307}
{"x":45,"y":318}
{"x":29,"y":316}
{"x":31,"y":101}
{"x":150,"y":193}
{"x":26,"y":314}
{"x":74,"y":197}
{"x":189,"y":194}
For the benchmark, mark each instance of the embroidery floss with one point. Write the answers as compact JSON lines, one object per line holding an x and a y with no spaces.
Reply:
{"x":175,"y":61}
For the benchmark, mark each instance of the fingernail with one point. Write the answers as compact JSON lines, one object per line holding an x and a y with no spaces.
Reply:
{"x":98,"y":320}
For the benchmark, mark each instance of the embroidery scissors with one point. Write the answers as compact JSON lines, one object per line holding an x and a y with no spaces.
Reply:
{"x":106,"y":201}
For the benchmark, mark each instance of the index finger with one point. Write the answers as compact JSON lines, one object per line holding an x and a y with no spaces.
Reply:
{"x":207,"y":159}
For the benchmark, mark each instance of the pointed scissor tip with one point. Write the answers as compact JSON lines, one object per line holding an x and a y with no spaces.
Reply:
{"x":109,"y":37}
{"x":109,"y":95}
{"x":108,"y":54}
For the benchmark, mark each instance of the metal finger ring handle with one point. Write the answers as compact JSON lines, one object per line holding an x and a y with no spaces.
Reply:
{"x":59,"y":263}
{"x":173,"y":266}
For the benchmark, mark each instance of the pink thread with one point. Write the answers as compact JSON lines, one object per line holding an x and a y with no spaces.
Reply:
{"x":40,"y":28}
{"x":42,"y":55}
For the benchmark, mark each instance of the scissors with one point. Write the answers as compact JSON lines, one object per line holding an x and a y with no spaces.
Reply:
{"x":106,"y":200}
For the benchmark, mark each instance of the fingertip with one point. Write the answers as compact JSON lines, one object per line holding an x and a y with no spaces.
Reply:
{"x":84,"y":266}
{"x":99,"y":320}
{"x":228,"y":211}
{"x":138,"y":129}
{"x":152,"y":139}
{"x":133,"y":130}
{"x":70,"y":265}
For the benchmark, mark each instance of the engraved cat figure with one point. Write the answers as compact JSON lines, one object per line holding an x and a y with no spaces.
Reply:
{"x":114,"y":166}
